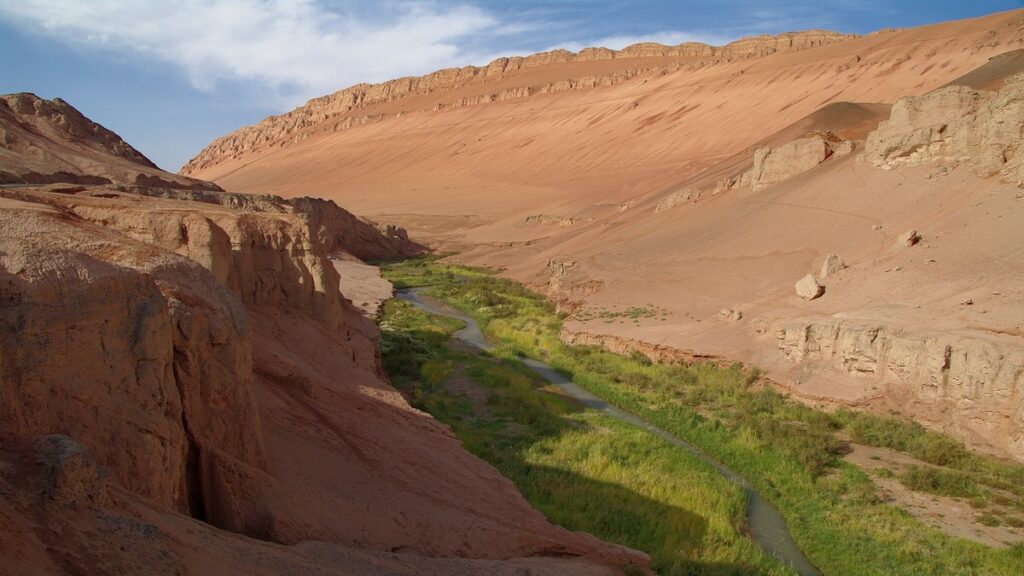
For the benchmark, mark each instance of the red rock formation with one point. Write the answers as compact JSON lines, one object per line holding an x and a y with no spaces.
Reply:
{"x":50,"y":141}
{"x":203,"y":356}
{"x":179,"y":368}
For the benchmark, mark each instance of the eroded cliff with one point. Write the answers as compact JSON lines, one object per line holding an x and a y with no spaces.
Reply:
{"x":166,"y":355}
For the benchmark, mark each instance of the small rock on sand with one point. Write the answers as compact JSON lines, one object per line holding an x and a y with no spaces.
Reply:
{"x":908,"y":239}
{"x":730,"y":314}
{"x":808,"y":288}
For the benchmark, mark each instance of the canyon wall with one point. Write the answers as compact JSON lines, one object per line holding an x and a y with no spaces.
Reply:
{"x":168,"y":356}
{"x":138,"y":354}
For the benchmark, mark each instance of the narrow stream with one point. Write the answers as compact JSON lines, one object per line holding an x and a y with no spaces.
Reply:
{"x":765,"y":524}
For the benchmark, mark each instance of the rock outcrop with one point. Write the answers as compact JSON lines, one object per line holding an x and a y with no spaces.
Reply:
{"x":332,"y":227}
{"x":956,"y":124}
{"x":774,"y":165}
{"x":43,"y":141}
{"x":551,"y":220}
{"x":974,"y":384}
{"x":136,"y":353}
{"x":676,"y":198}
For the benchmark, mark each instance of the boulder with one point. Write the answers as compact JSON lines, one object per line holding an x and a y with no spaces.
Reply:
{"x":831,"y":265}
{"x":808,"y":288}
{"x":908,"y":239}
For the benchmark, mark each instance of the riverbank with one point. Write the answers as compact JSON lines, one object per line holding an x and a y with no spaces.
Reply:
{"x":584,"y":469}
{"x":762,"y":521}
{"x":791,"y":453}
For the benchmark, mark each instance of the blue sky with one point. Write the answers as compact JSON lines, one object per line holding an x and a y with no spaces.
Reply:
{"x":171,"y":76}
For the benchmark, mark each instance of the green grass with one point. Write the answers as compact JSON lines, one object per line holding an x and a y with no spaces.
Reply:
{"x":583,"y":470}
{"x":424,"y":271}
{"x":938,"y":481}
{"x":978,"y":476}
{"x":790,"y":452}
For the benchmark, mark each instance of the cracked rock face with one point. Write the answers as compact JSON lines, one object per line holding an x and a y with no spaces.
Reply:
{"x":976,"y":384}
{"x":138,"y":354}
{"x":956,"y":124}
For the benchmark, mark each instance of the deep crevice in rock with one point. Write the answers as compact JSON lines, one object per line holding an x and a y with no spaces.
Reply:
{"x":193,"y":470}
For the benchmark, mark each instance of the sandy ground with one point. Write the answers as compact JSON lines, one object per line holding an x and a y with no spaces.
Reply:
{"x":362,"y":284}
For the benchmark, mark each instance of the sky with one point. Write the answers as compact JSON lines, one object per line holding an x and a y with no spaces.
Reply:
{"x":170,"y":76}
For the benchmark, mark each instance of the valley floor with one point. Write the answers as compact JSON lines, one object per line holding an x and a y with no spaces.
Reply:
{"x":861,"y":494}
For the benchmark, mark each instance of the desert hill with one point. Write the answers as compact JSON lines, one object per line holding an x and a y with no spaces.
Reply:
{"x":706,"y":186}
{"x":187,"y":390}
{"x":45,"y":141}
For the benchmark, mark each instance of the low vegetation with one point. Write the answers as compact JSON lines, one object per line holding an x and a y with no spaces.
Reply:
{"x":790,"y":452}
{"x":632,"y":313}
{"x":425,"y":271}
{"x":583,"y":470}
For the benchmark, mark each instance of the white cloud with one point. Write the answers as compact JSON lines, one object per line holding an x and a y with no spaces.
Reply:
{"x":291,"y":50}
{"x":297,"y":48}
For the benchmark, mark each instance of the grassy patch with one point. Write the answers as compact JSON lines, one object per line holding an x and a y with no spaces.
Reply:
{"x":582,"y":469}
{"x":790,"y":452}
{"x":424,"y":271}
{"x":939,"y":481}
{"x":968,"y":475}
{"x":611,"y":314}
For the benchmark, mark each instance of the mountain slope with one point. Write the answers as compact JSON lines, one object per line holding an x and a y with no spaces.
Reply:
{"x":571,"y":146}
{"x":709,"y":190}
{"x":45,"y":141}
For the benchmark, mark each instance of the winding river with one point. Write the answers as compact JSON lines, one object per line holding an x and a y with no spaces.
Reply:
{"x":764,"y":523}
